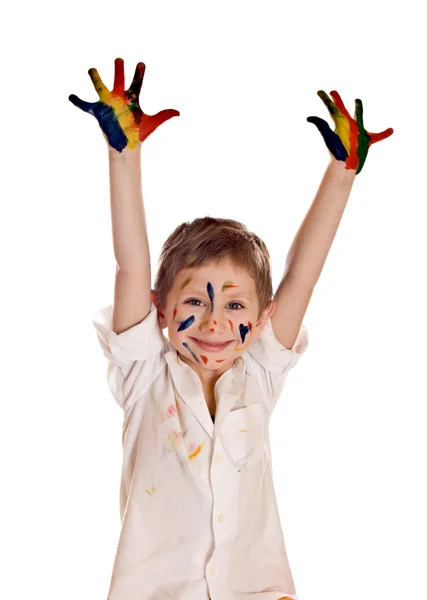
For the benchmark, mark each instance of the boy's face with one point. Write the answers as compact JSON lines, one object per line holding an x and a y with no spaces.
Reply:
{"x":212,"y":304}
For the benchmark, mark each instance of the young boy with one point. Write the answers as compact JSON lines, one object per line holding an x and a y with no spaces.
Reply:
{"x":197,"y":503}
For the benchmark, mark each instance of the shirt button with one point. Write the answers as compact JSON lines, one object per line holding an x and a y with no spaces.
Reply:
{"x":218,"y":458}
{"x":221,"y":517}
{"x":213,"y":571}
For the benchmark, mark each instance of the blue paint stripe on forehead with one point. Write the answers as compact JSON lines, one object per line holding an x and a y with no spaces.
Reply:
{"x":211,"y":295}
{"x":186,"y":323}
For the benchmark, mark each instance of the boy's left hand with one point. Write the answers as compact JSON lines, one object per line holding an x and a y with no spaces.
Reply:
{"x":350,"y":142}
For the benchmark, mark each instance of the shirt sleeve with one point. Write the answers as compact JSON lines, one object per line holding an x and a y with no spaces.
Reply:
{"x":274,"y":360}
{"x":135,"y":356}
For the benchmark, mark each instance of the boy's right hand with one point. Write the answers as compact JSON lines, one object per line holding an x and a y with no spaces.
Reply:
{"x":118,"y":112}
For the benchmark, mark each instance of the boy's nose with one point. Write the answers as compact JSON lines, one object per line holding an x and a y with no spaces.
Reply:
{"x":215,"y":321}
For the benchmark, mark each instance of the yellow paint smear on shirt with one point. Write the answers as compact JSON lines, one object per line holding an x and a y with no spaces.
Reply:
{"x":197,"y":451}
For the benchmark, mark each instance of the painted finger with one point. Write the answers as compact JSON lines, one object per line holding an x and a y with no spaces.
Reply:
{"x":332,"y":140}
{"x":135,"y":87}
{"x":333,"y":110}
{"x":119,"y":77}
{"x":358,"y":112}
{"x":103,"y":92}
{"x":150,"y":123}
{"x":342,"y":123}
{"x":86,"y":106}
{"x":377,"y":137}
{"x":340,"y":104}
{"x":362,"y":150}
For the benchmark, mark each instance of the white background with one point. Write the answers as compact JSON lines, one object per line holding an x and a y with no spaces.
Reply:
{"x":349,"y":432}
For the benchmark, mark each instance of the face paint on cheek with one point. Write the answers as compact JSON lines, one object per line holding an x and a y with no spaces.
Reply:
{"x":190,"y":350}
{"x":186,"y":323}
{"x":243,"y":331}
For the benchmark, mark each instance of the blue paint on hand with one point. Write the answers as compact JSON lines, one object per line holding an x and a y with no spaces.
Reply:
{"x":107,"y":120}
{"x":331,"y":139}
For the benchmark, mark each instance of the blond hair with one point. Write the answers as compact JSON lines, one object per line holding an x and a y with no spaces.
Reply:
{"x":210,"y":239}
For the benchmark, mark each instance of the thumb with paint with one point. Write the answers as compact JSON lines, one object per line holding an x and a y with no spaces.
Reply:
{"x":350,"y":142}
{"x":118,"y":112}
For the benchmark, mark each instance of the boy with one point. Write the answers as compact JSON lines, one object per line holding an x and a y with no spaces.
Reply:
{"x":197,"y":503}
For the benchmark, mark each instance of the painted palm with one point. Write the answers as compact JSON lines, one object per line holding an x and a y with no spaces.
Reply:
{"x":118,"y":112}
{"x":350,"y":141}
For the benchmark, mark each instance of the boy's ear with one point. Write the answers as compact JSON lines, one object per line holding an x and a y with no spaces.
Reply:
{"x":160,"y":313}
{"x":266,"y":314}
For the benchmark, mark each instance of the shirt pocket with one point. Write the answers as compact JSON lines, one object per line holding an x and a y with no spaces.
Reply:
{"x":242,"y":435}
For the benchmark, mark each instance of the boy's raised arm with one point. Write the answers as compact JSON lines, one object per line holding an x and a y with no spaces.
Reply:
{"x":125,"y":127}
{"x":348,"y":146}
{"x":132,"y":289}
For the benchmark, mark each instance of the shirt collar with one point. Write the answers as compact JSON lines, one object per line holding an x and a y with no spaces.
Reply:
{"x":228,"y":388}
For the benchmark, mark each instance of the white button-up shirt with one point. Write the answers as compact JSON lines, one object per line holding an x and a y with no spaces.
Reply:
{"x":197,"y":503}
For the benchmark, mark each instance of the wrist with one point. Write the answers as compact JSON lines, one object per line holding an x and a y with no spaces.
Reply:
{"x":125,"y":155}
{"x":338,"y":170}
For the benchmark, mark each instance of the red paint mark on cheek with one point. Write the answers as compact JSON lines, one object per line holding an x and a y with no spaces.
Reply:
{"x":222,"y":360}
{"x":174,"y":313}
{"x":204,"y":359}
{"x":215,"y":323}
{"x":250,"y":325}
{"x":231,"y":324}
{"x":212,"y":329}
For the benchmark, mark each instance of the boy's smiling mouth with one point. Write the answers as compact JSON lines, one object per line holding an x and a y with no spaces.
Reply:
{"x":211,"y":346}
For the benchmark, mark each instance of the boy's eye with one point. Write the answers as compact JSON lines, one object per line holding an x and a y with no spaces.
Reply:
{"x":238,"y":304}
{"x":193,"y":300}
